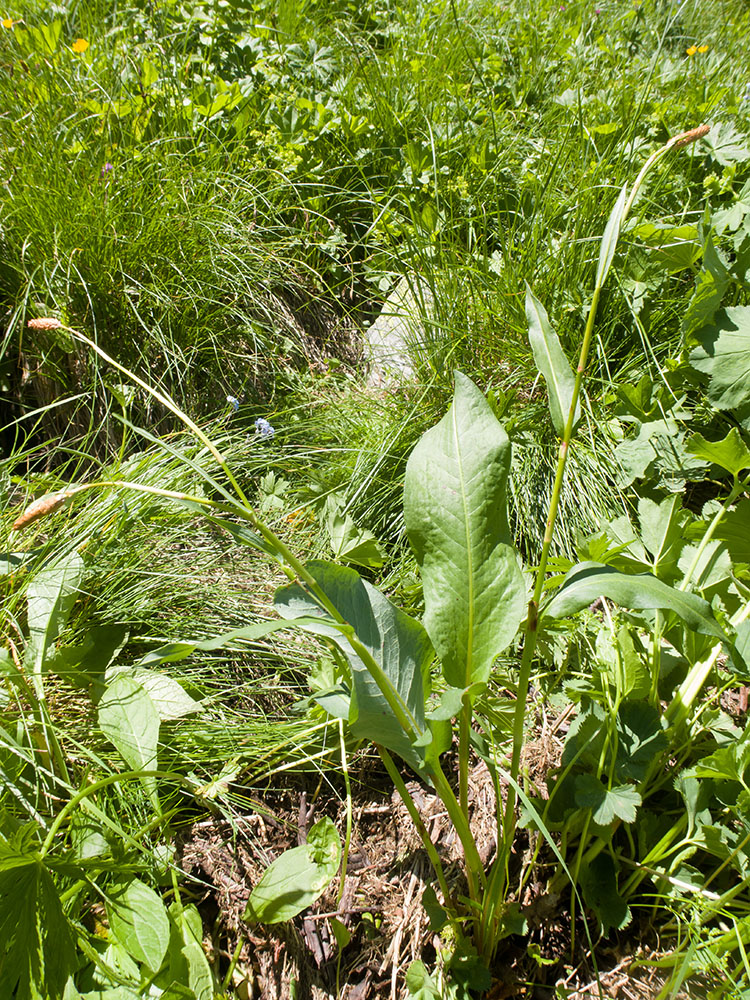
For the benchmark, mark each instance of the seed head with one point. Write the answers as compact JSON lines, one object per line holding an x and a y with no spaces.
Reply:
{"x":41,"y":508}
{"x":44,"y":323}
{"x":686,"y":138}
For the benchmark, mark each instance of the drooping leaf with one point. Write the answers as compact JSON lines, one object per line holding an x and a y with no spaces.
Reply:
{"x":551,"y":362}
{"x":296,"y":879}
{"x":724,"y":355}
{"x":731,"y":453}
{"x":398,"y":644}
{"x":455,"y":512}
{"x":606,"y":804}
{"x":37,"y":946}
{"x":139,"y":921}
{"x":587,"y":582}
{"x":600,"y":892}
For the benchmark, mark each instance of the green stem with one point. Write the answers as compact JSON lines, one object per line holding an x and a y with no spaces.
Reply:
{"x":463,"y":758}
{"x":96,"y":786}
{"x":532,"y":622}
{"x":411,"y":808}
{"x":348,"y":835}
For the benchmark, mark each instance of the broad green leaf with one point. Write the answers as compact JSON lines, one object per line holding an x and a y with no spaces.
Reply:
{"x":129,"y":719}
{"x":552,"y":363}
{"x":349,"y":542}
{"x":398,"y":644}
{"x":50,"y":597}
{"x":599,"y":888}
{"x":187,"y":960}
{"x":169,"y":698}
{"x":724,"y":355}
{"x":37,"y":946}
{"x":662,"y":527}
{"x":606,"y":804}
{"x":731,"y":453}
{"x":610,"y":237}
{"x":726,"y":145}
{"x":85,"y":665}
{"x":658,"y":445}
{"x":714,"y":564}
{"x":734,"y":530}
{"x":455,"y":512}
{"x":710,"y":286}
{"x":420,"y":984}
{"x":139,"y":921}
{"x":640,"y":739}
{"x":587,"y":582}
{"x":296,"y":879}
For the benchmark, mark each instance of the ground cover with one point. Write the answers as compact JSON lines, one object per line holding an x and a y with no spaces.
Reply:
{"x":203,"y":206}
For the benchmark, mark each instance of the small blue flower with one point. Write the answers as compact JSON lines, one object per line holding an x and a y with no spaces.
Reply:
{"x":233,"y":402}
{"x":264,"y":428}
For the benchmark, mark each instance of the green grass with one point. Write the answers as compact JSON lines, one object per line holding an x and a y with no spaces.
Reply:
{"x":276,"y":169}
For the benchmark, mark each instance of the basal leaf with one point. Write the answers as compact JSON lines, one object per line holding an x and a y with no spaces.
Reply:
{"x":129,"y":719}
{"x":398,"y":644}
{"x":724,"y":355}
{"x":587,"y":582}
{"x":599,"y":887}
{"x":296,"y":879}
{"x":731,"y":453}
{"x":139,"y":922}
{"x":606,"y":804}
{"x":551,"y":362}
{"x":455,"y":512}
{"x":50,"y":597}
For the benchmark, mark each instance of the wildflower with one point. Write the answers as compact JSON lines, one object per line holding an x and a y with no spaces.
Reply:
{"x":80,"y":45}
{"x":44,"y":323}
{"x":703,"y":48}
{"x":264,"y":428}
{"x":597,"y":10}
{"x":233,"y":402}
{"x":8,"y":22}
{"x":106,"y":168}
{"x":692,"y":50}
{"x":41,"y":508}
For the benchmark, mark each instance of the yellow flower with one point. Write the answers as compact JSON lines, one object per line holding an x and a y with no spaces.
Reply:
{"x":80,"y":45}
{"x":8,"y":22}
{"x":692,"y":50}
{"x":703,"y":48}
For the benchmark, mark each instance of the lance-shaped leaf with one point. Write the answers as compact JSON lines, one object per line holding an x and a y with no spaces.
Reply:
{"x":551,"y":362}
{"x":610,"y":237}
{"x":397,"y":644}
{"x":589,"y":581}
{"x":50,"y":598}
{"x":455,"y":511}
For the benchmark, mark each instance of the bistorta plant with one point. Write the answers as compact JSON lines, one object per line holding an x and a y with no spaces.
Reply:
{"x":477,"y":604}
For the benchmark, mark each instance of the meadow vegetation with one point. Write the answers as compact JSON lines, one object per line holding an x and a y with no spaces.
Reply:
{"x":259,"y":616}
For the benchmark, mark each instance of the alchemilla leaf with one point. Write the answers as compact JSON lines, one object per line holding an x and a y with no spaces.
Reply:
{"x":724,"y":355}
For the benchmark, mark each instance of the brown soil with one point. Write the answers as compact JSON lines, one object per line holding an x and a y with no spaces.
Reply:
{"x":381,"y":907}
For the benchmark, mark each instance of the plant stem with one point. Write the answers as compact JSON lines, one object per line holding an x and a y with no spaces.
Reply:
{"x":532,"y":621}
{"x":411,"y":808}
